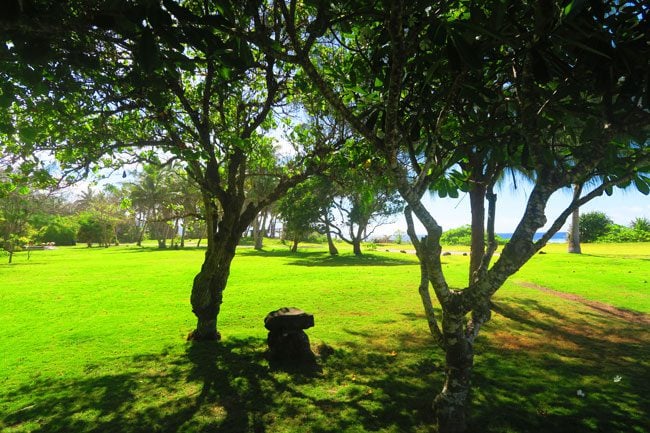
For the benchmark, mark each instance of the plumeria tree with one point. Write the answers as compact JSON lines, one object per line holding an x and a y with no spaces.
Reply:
{"x":395,"y":71}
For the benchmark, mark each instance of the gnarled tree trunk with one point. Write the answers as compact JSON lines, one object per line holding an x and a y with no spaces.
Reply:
{"x":224,"y":233}
{"x":451,"y":405}
{"x":208,"y":287}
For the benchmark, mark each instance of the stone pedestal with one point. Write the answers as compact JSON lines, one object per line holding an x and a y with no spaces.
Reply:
{"x":287,"y":341}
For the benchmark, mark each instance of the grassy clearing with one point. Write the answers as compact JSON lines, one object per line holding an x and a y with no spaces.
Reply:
{"x":92,"y":340}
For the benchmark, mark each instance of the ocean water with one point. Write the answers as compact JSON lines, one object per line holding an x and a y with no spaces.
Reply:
{"x":558,"y":238}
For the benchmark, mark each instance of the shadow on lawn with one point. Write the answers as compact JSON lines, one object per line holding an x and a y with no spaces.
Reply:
{"x":563,"y":371}
{"x":226,"y":387}
{"x":322,"y":258}
{"x":531,"y":361}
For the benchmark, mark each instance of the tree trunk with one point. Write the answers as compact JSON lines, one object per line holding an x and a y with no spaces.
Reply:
{"x":183,"y":235}
{"x":574,"y":229}
{"x":272,"y":228}
{"x":207,"y":290}
{"x":294,"y":247}
{"x":451,"y":406}
{"x":265,"y":218}
{"x":257,"y":233}
{"x":141,"y":234}
{"x":330,"y":243}
{"x":356,"y":246}
{"x":477,"y":204}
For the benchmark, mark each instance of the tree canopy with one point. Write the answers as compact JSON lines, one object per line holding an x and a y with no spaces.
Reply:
{"x":445,"y":96}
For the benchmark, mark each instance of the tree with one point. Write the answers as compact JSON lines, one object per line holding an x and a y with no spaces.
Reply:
{"x":362,"y":202}
{"x":15,"y":210}
{"x":301,"y":209}
{"x":61,"y":230}
{"x":593,"y":225}
{"x":96,"y":228}
{"x":641,"y":224}
{"x":412,"y":61}
{"x":157,"y":82}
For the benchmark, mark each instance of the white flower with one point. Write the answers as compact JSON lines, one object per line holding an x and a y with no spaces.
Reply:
{"x":580,"y":393}
{"x":617,"y":378}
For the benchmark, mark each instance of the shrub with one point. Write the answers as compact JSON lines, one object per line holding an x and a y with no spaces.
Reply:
{"x":617,"y":233}
{"x":593,"y":225}
{"x":641,"y":224}
{"x":60,"y":230}
{"x":463,"y":236}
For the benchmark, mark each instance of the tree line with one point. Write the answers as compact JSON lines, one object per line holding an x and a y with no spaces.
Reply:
{"x":162,"y":204}
{"x":447,"y":97}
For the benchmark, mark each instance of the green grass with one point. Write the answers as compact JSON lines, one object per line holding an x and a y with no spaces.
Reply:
{"x":93,"y":340}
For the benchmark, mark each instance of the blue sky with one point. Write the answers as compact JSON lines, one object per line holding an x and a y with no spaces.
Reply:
{"x":622,"y":207}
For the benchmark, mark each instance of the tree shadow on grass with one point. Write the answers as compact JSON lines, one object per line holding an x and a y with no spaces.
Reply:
{"x":212,"y":388}
{"x":225,"y":387}
{"x":563,"y":371}
{"x":531,"y":361}
{"x":322,"y":258}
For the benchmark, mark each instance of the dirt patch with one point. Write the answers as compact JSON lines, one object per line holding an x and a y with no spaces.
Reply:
{"x":630,"y":316}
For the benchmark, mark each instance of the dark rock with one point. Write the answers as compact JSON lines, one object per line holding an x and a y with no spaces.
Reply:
{"x":464,"y":254}
{"x":446,"y":253}
{"x":288,"y":319}
{"x":287,"y":341}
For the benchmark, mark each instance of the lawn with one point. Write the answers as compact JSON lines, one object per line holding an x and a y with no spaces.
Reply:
{"x":93,"y":340}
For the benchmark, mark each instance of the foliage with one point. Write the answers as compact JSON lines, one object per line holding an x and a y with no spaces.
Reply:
{"x":60,"y":230}
{"x":96,"y":228}
{"x":427,"y":76}
{"x":462,"y":236}
{"x":302,"y":208}
{"x":593,"y":225}
{"x":598,"y":227}
{"x":641,"y":224}
{"x":616,"y":233}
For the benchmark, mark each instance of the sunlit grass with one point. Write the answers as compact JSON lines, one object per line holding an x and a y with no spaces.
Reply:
{"x":93,"y":340}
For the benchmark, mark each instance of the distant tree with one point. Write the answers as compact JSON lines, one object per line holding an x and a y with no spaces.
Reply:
{"x":641,"y":224}
{"x":363,"y":203}
{"x":16,"y":207}
{"x":463,"y":236}
{"x":301,"y":209}
{"x":62,"y":230}
{"x":594,"y":225}
{"x":96,"y":228}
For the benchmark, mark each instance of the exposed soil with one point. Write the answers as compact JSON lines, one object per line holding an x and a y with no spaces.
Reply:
{"x":630,"y":316}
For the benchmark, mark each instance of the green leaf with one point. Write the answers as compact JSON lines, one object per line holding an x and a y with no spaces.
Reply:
{"x":642,"y":186}
{"x":609,"y":191}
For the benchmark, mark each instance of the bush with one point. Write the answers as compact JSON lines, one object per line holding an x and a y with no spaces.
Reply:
{"x":463,"y":236}
{"x":594,"y":225}
{"x":60,"y":230}
{"x":641,"y":224}
{"x":617,"y":233}
{"x":93,"y":228}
